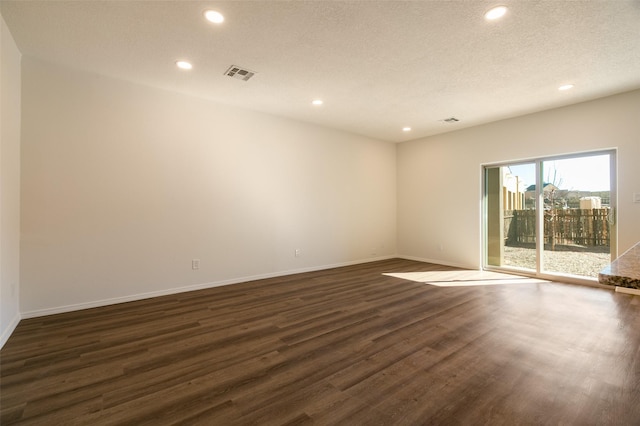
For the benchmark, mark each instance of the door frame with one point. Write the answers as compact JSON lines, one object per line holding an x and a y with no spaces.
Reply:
{"x":539,"y":206}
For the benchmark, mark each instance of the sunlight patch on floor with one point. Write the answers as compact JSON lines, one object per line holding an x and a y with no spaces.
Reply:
{"x":463,"y":278}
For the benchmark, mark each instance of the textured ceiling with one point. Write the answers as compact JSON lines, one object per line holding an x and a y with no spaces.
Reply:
{"x":378,"y":65}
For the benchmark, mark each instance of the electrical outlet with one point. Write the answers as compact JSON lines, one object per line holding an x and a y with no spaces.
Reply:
{"x":297,"y":253}
{"x":636,"y":197}
{"x":195,"y":264}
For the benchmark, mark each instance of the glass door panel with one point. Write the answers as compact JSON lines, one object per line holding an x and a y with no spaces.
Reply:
{"x":577,"y":213}
{"x":511,"y":216}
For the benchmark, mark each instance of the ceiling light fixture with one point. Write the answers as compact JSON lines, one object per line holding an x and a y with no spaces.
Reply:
{"x":214,"y":16}
{"x":495,"y":13}
{"x":317,"y":102}
{"x":184,"y":65}
{"x":406,"y":129}
{"x":565,"y":87}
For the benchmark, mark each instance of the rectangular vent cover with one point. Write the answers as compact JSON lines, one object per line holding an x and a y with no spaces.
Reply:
{"x":239,"y":73}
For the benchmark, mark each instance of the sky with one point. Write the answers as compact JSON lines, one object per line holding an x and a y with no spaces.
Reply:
{"x":582,"y":173}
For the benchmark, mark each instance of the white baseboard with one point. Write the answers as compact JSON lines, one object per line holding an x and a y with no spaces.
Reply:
{"x":439,"y":262}
{"x":6,"y":333}
{"x":627,"y":290}
{"x":176,"y":290}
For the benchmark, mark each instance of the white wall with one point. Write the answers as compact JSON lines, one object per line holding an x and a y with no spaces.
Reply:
{"x":9,"y":183}
{"x":439,"y":177}
{"x":123,"y":185}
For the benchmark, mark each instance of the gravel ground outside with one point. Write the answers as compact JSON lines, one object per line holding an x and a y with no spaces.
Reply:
{"x":583,"y":263}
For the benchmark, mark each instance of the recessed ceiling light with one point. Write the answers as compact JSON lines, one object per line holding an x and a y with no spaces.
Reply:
{"x":495,"y":13}
{"x":406,"y":129}
{"x":214,"y":16}
{"x":566,"y":87}
{"x":317,"y":102}
{"x":184,"y":65}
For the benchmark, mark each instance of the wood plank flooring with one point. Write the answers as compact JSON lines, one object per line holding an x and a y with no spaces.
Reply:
{"x":346,"y":346}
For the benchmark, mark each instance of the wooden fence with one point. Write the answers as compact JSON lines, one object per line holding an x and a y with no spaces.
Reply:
{"x":585,"y":227}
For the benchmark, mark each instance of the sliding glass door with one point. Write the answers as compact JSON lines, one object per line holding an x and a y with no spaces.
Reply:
{"x":551,"y":216}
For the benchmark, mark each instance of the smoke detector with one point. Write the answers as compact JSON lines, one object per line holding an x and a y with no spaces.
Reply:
{"x":239,"y":73}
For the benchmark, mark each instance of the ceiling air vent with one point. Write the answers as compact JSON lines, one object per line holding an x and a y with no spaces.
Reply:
{"x":451,"y":120}
{"x":239,"y":73}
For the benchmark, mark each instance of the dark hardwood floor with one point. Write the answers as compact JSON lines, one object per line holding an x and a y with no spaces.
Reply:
{"x":347,"y":346}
